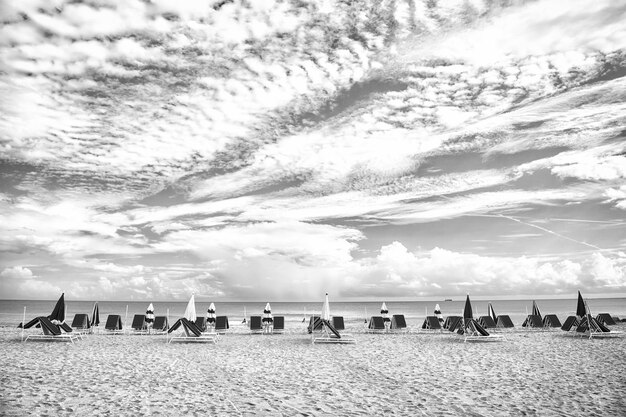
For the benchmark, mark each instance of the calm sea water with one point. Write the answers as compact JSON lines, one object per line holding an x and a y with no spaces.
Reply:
{"x":11,"y":311}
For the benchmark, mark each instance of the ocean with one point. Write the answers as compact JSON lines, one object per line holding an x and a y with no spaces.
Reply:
{"x":11,"y":311}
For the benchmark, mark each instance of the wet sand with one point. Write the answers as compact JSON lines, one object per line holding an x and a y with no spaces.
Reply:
{"x":530,"y":373}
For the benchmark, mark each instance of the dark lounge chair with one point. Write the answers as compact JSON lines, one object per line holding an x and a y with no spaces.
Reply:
{"x":221,"y":324}
{"x":431,"y":323}
{"x":51,"y":331}
{"x":114,"y":324}
{"x":315,"y":323}
{"x":256,"y":324}
{"x":570,"y":323}
{"x":327,"y":333}
{"x":376,"y":325}
{"x":279,"y":324}
{"x":191,"y":333}
{"x":398,"y":323}
{"x":504,"y":322}
{"x":551,"y":320}
{"x":533,"y":320}
{"x":201,"y":323}
{"x":606,"y":319}
{"x":487,"y":322}
{"x":81,"y":322}
{"x":452,"y":323}
{"x":338,"y":323}
{"x":160,"y":324}
{"x":139,"y":324}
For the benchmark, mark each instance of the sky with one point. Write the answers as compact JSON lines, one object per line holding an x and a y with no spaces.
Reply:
{"x":278,"y":150}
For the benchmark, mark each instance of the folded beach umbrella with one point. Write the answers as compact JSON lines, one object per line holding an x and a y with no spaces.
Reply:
{"x":536,"y":311}
{"x":581,"y":310}
{"x":467,"y":311}
{"x":190,"y":311}
{"x":492,"y":313}
{"x":95,"y":316}
{"x":326,"y":309}
{"x":439,"y":315}
{"x":210,"y":314}
{"x":58,"y":313}
{"x":384,"y":311}
{"x":267,"y":314}
{"x":150,"y":314}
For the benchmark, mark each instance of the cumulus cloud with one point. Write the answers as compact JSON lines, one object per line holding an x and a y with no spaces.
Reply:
{"x":19,"y":282}
{"x":440,"y":272}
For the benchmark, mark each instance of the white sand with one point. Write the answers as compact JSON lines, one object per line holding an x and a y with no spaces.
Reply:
{"x":531,"y":373}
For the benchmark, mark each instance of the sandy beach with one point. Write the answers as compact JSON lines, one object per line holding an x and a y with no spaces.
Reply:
{"x":531,"y":373}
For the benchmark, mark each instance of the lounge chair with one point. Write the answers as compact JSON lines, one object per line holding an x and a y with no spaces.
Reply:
{"x":338,"y":323}
{"x":160,"y":324}
{"x":256,"y":324}
{"x":606,"y":319}
{"x":114,"y":324}
{"x":315,"y":323}
{"x":201,"y":323}
{"x":81,"y":323}
{"x":221,"y":324}
{"x":591,"y":327}
{"x":534,"y":321}
{"x":472,"y":331}
{"x":452,"y":323}
{"x":51,"y":331}
{"x":551,"y":320}
{"x":191,"y":333}
{"x":504,"y":322}
{"x":279,"y":324}
{"x":487,"y":322}
{"x":431,"y":323}
{"x":398,"y":323}
{"x":329,"y":334}
{"x":570,"y":323}
{"x":139,"y":324}
{"x":376,"y":325}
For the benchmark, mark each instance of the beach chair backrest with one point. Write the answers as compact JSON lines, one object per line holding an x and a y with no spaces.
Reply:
{"x":49,"y":328}
{"x":331,"y":328}
{"x":376,"y":323}
{"x":201,"y":323}
{"x":315,"y":323}
{"x":160,"y":323}
{"x":569,"y":323}
{"x":81,"y":321}
{"x":279,"y":323}
{"x":139,"y":322}
{"x":190,"y":327}
{"x":338,"y":323}
{"x":221,"y":323}
{"x":175,"y":326}
{"x":398,"y":321}
{"x":551,"y":320}
{"x":477,"y":329}
{"x":487,"y":322}
{"x":453,"y":323}
{"x":255,"y":323}
{"x":504,"y":321}
{"x":433,"y":322}
{"x":114,"y":322}
{"x":606,"y":319}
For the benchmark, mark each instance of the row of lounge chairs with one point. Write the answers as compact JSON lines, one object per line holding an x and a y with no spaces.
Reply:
{"x":378,"y":324}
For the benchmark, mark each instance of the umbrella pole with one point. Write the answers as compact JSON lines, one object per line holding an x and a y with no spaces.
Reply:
{"x":23,"y":323}
{"x":168,"y":325}
{"x":126,"y":318}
